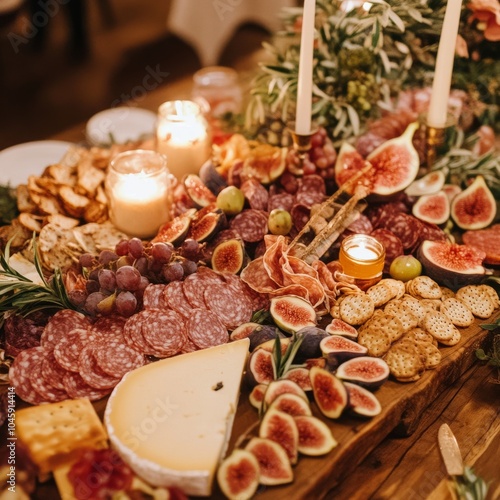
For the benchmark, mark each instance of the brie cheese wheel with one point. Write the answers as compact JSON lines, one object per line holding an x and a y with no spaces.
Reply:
{"x":171,"y":420}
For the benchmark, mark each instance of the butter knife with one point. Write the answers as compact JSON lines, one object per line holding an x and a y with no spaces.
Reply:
{"x":450,"y":451}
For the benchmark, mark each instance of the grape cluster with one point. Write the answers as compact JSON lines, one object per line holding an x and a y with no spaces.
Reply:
{"x":116,"y":280}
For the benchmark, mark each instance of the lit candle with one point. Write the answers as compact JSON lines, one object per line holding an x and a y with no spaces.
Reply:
{"x":438,"y":107}
{"x":305,"y":78}
{"x":362,"y":256}
{"x":138,"y":192}
{"x":182,"y":136}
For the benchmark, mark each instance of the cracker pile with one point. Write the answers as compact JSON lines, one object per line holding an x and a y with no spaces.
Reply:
{"x":406,"y":323}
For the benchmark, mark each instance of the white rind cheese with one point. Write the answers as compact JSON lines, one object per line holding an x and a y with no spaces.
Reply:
{"x":171,"y":420}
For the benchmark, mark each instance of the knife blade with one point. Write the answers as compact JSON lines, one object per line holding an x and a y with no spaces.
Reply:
{"x":448,"y":446}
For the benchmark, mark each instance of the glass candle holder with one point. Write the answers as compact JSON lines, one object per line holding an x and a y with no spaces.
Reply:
{"x":362,"y":257}
{"x":182,"y":135}
{"x":138,"y":190}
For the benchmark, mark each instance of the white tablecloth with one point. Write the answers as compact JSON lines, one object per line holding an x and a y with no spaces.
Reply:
{"x":208,"y":25}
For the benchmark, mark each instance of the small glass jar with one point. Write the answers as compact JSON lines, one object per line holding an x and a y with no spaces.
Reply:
{"x":362,"y":257}
{"x":138,"y":191}
{"x":182,"y":135}
{"x":219,"y":87}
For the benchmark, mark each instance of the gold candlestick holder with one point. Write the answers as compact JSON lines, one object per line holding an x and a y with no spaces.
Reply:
{"x":437,"y":140}
{"x":302,"y":145}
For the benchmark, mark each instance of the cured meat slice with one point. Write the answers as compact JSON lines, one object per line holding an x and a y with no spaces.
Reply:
{"x":20,"y":374}
{"x":109,"y":327}
{"x":405,"y":227}
{"x":76,"y":387}
{"x":92,"y":373}
{"x":309,"y":198}
{"x":256,"y":194}
{"x":51,"y":371}
{"x":361,"y":225}
{"x":251,"y":225}
{"x":231,"y":310}
{"x":258,"y":300}
{"x":194,"y":288}
{"x":117,"y":359}
{"x":204,"y":329}
{"x":312,"y":183}
{"x":132,"y":333}
{"x":68,"y":348}
{"x":176,"y":300}
{"x":20,"y":333}
{"x":256,"y":277}
{"x":62,"y":322}
{"x":48,"y":392}
{"x":300,"y":216}
{"x":154,"y":297}
{"x":284,"y":201}
{"x":486,"y":240}
{"x":392,"y":244}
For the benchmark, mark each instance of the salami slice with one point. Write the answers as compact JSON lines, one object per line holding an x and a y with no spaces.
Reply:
{"x":176,"y":300}
{"x":21,"y":373}
{"x":52,"y":372}
{"x":361,"y":224}
{"x":220,"y":299}
{"x":194,"y":288}
{"x":251,"y":225}
{"x":109,"y":327}
{"x":256,"y":194}
{"x":62,"y":322}
{"x":20,"y":333}
{"x":258,"y":300}
{"x":405,"y":227}
{"x":284,"y":201}
{"x":312,"y":183}
{"x":392,"y":244}
{"x":76,"y":388}
{"x":309,"y":198}
{"x":68,"y":348}
{"x":300,"y":216}
{"x":132,"y":333}
{"x":92,"y":373}
{"x":205,"y":329}
{"x":154,"y":297}
{"x":46,"y":389}
{"x":189,"y":346}
{"x":487,"y":241}
{"x":117,"y":359}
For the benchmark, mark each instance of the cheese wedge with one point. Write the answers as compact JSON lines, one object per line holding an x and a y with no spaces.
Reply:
{"x":171,"y":420}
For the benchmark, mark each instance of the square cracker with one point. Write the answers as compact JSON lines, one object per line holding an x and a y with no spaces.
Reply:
{"x":55,"y":433}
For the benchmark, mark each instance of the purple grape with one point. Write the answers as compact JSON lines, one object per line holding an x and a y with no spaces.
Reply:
{"x":135,"y":247}
{"x":128,"y":278}
{"x":161,"y":252}
{"x":189,"y":248}
{"x":87,"y":260}
{"x":141,"y":264}
{"x":125,"y":303}
{"x":189,"y":267}
{"x":121,"y":248}
{"x":173,"y":272}
{"x":92,"y":302}
{"x":77,"y":297}
{"x":107,"y":256}
{"x":92,"y":286}
{"x":107,"y":280}
{"x":94,"y":275}
{"x":124,"y":260}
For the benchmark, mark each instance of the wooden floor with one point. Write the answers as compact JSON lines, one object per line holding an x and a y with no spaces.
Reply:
{"x":44,"y":90}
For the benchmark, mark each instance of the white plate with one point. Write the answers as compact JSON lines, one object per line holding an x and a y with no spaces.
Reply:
{"x":120,"y":125}
{"x":18,"y":162}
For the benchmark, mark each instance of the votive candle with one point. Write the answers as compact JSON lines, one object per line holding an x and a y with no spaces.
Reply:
{"x":362,"y":256}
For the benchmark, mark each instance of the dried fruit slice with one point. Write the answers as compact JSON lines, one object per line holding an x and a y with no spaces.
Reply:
{"x":238,"y":475}
{"x":428,"y":184}
{"x":329,"y":392}
{"x":366,"y":371}
{"x":361,"y":401}
{"x":315,"y":437}
{"x":433,"y":208}
{"x":291,"y":313}
{"x":274,"y":466}
{"x":280,"y":427}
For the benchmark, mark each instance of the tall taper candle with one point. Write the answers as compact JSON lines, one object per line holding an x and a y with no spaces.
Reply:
{"x":305,"y":79}
{"x":438,"y":107}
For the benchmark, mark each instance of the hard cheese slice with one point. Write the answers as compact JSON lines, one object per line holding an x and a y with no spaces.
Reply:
{"x":171,"y":420}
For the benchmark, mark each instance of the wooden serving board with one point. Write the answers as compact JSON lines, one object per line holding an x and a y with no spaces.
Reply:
{"x":402,"y":407}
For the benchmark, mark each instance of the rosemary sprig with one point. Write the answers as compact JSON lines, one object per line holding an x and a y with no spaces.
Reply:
{"x":470,"y":486}
{"x":22,"y":296}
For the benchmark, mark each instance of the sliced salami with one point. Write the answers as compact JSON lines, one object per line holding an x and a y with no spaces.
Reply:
{"x":405,"y":227}
{"x":52,"y":372}
{"x":154,"y":297}
{"x":21,"y":373}
{"x":92,"y":373}
{"x":194,"y":288}
{"x":300,"y":216}
{"x":109,"y":327}
{"x":309,"y":198}
{"x":176,"y":300}
{"x":312,"y":183}
{"x":46,"y":389}
{"x":220,"y":299}
{"x":117,"y":359}
{"x":361,"y":224}
{"x":487,"y":241}
{"x":251,"y":225}
{"x":284,"y":201}
{"x":132,"y":333}
{"x":68,"y":348}
{"x":392,"y":244}
{"x":20,"y":333}
{"x":62,"y":322}
{"x":258,"y":300}
{"x":205,"y":329}
{"x":256,"y":194}
{"x":76,"y":388}
{"x":189,"y":347}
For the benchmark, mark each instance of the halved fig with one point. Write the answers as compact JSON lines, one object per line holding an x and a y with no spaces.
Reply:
{"x":211,"y":177}
{"x":315,"y":437}
{"x":349,"y":162}
{"x":309,"y":363}
{"x":341,"y":347}
{"x":428,"y":184}
{"x":299,"y":375}
{"x":291,"y":313}
{"x":274,"y":466}
{"x":176,"y":230}
{"x":229,"y":257}
{"x":206,"y":227}
{"x":451,"y":190}
{"x":340,"y":327}
{"x":475,"y":207}
{"x":329,"y":392}
{"x":451,"y":264}
{"x":309,"y":345}
{"x":292,"y":404}
{"x":433,"y":208}
{"x":282,"y":386}
{"x":238,"y":475}
{"x":362,"y":402}
{"x":197,"y":191}
{"x":270,"y":345}
{"x":256,"y":396}
{"x":243,"y":331}
{"x":266,"y":334}
{"x":366,"y":371}
{"x":260,"y":367}
{"x":280,"y":427}
{"x":264,"y":163}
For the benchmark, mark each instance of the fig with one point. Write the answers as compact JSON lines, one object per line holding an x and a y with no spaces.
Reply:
{"x":280,"y":427}
{"x":329,"y":392}
{"x":238,"y":475}
{"x":266,"y":333}
{"x":341,"y":347}
{"x":433,"y":208}
{"x":292,"y":404}
{"x":200,"y":195}
{"x":451,"y":190}
{"x":256,"y":396}
{"x":451,"y":264}
{"x":340,"y":327}
{"x":211,"y":178}
{"x":475,"y":207}
{"x":243,"y":331}
{"x":282,"y":386}
{"x":362,"y":402}
{"x":274,"y":466}
{"x":309,"y":346}
{"x":229,"y":257}
{"x":309,"y":363}
{"x":348,"y":163}
{"x":291,"y":313}
{"x":395,"y":163}
{"x":299,"y":375}
{"x":428,"y":184}
{"x":264,"y":163}
{"x":315,"y":438}
{"x":269,"y":345}
{"x":176,"y":230}
{"x":207,"y":226}
{"x":260,"y":367}
{"x":231,"y":200}
{"x":366,"y":371}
